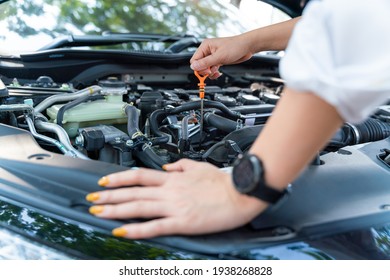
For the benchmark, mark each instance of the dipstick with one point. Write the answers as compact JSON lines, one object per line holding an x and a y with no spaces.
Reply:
{"x":201,"y":86}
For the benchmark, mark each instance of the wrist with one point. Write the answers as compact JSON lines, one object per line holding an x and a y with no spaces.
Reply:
{"x":249,"y":206}
{"x":248,"y":178}
{"x":253,"y":41}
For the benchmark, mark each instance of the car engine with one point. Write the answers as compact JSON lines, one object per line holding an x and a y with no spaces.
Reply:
{"x":135,"y":124}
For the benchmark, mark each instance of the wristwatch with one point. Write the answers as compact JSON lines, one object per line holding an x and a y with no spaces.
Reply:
{"x":248,"y":178}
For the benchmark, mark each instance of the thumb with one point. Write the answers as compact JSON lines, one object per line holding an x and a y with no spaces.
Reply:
{"x":204,"y":64}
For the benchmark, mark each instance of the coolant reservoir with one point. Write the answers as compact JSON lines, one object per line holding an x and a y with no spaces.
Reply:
{"x":109,"y":111}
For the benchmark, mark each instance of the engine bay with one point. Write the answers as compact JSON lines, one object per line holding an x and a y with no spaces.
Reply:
{"x":134,"y":124}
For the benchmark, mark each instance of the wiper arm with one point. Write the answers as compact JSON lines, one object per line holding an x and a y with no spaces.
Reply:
{"x":109,"y":38}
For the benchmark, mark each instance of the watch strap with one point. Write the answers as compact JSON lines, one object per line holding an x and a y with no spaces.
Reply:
{"x":267,"y":193}
{"x":260,"y":189}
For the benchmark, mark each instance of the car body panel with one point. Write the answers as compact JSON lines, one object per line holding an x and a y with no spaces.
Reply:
{"x":319,"y":206}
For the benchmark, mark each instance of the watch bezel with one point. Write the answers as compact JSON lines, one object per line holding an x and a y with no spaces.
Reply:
{"x":256,"y":169}
{"x":254,"y":184}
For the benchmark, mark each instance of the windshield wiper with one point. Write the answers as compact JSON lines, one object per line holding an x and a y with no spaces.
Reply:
{"x":110,"y":38}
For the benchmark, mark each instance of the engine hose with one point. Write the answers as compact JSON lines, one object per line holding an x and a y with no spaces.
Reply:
{"x":72,"y":104}
{"x":160,"y":140}
{"x":370,"y":130}
{"x":146,"y":155}
{"x":243,"y":138}
{"x":219,"y":122}
{"x":65,"y":97}
{"x":155,"y":119}
{"x":50,"y":140}
{"x":132,"y":121}
{"x":149,"y":158}
{"x":213,"y":148}
{"x":207,"y":104}
{"x":62,"y":137}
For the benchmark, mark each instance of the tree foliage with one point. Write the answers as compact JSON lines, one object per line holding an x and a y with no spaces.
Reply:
{"x":196,"y":17}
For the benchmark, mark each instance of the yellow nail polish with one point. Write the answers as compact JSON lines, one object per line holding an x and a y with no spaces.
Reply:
{"x":103,"y":181}
{"x":92,"y":197}
{"x":164,"y":167}
{"x":96,"y":209}
{"x":119,"y":232}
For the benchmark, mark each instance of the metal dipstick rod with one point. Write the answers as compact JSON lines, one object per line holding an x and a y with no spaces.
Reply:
{"x":201,"y":86}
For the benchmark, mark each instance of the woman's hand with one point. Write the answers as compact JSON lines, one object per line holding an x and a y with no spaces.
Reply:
{"x":191,"y":198}
{"x":213,"y":53}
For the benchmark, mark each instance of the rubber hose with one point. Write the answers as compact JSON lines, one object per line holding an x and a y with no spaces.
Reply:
{"x":367,"y":131}
{"x":160,"y":140}
{"x":221,"y":123}
{"x":149,"y":158}
{"x":372,"y":130}
{"x":207,"y":104}
{"x":74,"y":103}
{"x":155,"y":119}
{"x":132,"y":120}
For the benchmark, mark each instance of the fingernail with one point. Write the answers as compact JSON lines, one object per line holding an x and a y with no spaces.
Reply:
{"x":92,"y":197}
{"x":96,"y":209}
{"x":165,"y":167}
{"x":119,"y":232}
{"x":194,"y":65}
{"x":103,"y":181}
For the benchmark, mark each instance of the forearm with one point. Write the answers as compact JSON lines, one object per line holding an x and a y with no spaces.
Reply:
{"x":272,"y":37}
{"x":302,"y":123}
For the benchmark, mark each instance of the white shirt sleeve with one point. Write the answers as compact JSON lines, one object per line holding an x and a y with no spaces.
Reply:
{"x":340,"y":51}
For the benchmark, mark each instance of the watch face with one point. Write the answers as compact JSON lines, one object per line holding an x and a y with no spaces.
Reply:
{"x":248,"y":178}
{"x":246,"y":174}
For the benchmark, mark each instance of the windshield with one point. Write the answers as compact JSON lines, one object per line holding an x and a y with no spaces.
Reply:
{"x":30,"y":25}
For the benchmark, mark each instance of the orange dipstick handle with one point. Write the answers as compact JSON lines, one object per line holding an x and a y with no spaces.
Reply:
{"x":201,"y":96}
{"x":201,"y":83}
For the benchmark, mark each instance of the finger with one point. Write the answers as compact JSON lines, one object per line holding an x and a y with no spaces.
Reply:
{"x":124,"y":195}
{"x":149,"y":229}
{"x":201,"y":66}
{"x":142,"y":176}
{"x":180,"y":165}
{"x":202,"y":51}
{"x":204,"y":64}
{"x":128,"y":210}
{"x":216,"y":75}
{"x":214,"y":69}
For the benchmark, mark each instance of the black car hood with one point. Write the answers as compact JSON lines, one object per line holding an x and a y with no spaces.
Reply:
{"x":349,"y":191}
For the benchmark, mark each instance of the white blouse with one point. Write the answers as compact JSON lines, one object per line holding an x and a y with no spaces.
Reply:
{"x":340,"y":51}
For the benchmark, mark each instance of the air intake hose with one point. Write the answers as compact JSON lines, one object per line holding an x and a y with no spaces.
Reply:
{"x":370,"y":130}
{"x":367,"y":131}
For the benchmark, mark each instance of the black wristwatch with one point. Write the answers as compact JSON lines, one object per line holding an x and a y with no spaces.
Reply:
{"x":248,"y":178}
